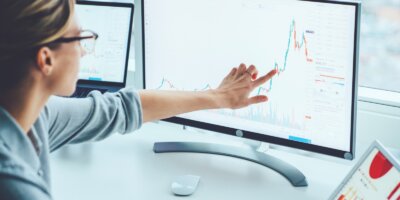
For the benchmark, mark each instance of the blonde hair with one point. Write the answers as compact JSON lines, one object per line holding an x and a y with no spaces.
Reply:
{"x":27,"y":25}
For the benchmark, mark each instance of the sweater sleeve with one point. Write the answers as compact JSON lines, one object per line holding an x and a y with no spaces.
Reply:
{"x":73,"y":120}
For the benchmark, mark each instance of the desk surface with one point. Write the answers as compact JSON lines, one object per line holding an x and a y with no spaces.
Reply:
{"x":125,"y":167}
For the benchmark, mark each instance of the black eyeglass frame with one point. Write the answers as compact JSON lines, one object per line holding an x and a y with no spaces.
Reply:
{"x":72,"y":39}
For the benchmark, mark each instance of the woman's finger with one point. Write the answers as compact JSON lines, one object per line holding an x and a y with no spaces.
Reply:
{"x":258,"y":99}
{"x":253,"y":72}
{"x":264,"y":79}
{"x":232,"y":72}
{"x":242,"y":69}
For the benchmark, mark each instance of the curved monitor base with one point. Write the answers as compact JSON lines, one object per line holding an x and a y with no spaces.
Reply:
{"x":295,"y":177}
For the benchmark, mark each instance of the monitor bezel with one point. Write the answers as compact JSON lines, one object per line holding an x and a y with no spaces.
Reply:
{"x":349,"y":155}
{"x":112,"y":4}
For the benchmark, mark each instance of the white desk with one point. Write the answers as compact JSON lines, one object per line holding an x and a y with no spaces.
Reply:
{"x":125,"y":167}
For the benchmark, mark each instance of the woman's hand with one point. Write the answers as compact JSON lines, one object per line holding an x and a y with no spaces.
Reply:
{"x":236,"y":87}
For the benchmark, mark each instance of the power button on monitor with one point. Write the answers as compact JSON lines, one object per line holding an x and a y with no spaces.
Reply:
{"x":239,"y":133}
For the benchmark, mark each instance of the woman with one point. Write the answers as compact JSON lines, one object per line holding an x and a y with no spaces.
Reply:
{"x":40,"y":48}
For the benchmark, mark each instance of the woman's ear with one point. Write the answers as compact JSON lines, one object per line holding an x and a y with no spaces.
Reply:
{"x":45,"y":60}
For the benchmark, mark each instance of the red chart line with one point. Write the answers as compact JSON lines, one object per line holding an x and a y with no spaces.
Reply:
{"x":335,"y":77}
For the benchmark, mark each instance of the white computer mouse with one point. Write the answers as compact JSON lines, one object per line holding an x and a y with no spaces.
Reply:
{"x":185,"y":185}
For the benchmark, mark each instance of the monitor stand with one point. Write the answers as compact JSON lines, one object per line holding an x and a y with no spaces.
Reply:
{"x":295,"y":177}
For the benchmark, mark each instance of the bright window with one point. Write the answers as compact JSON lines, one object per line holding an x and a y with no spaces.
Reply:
{"x":380,"y":45}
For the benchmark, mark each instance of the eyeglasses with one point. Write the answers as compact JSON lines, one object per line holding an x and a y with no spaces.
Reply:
{"x":87,"y":40}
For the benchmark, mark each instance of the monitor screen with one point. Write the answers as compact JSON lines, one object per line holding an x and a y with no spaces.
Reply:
{"x":112,"y":24}
{"x":375,"y":178}
{"x":192,"y":45}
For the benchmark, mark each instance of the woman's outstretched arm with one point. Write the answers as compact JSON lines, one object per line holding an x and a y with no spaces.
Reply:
{"x":232,"y":93}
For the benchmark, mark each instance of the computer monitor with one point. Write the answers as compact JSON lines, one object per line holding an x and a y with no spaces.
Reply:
{"x":192,"y":45}
{"x":113,"y":23}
